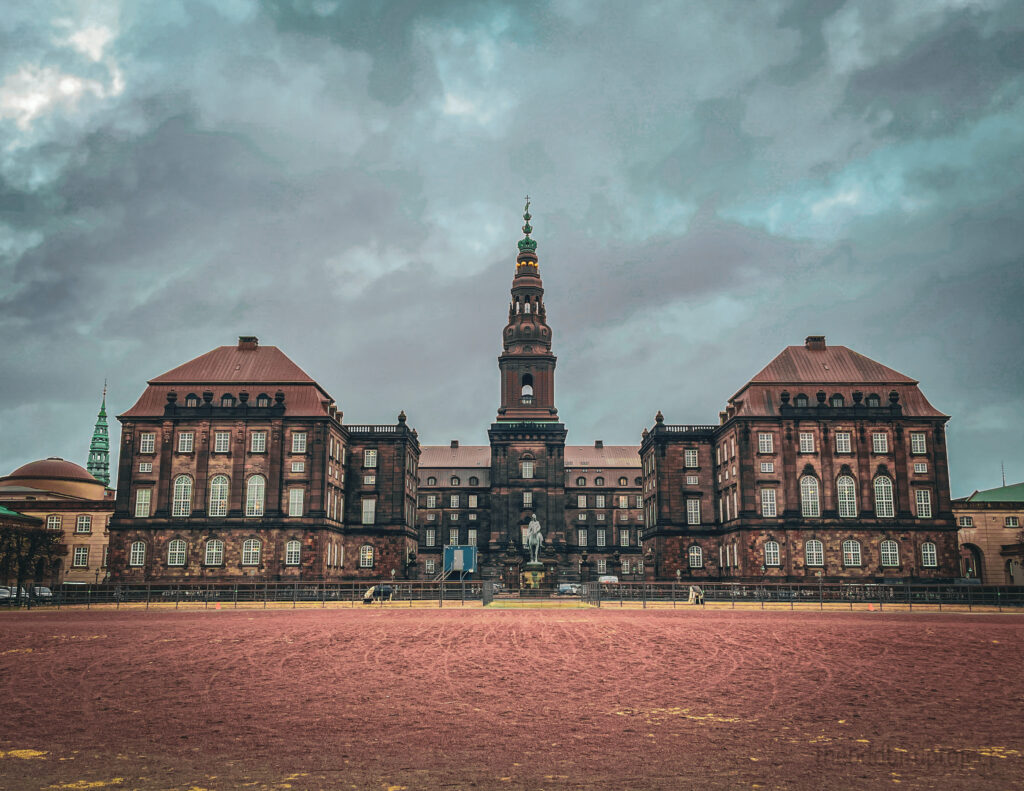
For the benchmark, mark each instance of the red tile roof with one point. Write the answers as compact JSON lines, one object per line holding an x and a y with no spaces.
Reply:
{"x":610,"y":456}
{"x":231,"y":364}
{"x":446,"y":457}
{"x":834,"y":364}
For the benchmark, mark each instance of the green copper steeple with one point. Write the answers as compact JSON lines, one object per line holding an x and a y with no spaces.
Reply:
{"x":527,"y":245}
{"x":99,"y":448}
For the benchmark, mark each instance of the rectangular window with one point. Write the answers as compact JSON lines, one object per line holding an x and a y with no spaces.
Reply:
{"x":295,"y":501}
{"x":623,"y":501}
{"x":473,"y":501}
{"x":431,"y":537}
{"x":259,"y":442}
{"x":1011,"y":521}
{"x":843,"y":442}
{"x":83,"y":524}
{"x":767,"y":466}
{"x":292,"y":553}
{"x":924,"y":503}
{"x":147,"y":442}
{"x":369,"y":510}
{"x":693,"y":512}
{"x":431,"y":566}
{"x":143,"y":499}
{"x":765,"y":443}
{"x":815,"y":553}
{"x":430,"y":517}
{"x":581,"y":501}
{"x":453,"y":517}
{"x":920,"y":467}
{"x":602,"y":567}
{"x":771,"y":554}
{"x":369,"y":480}
{"x":471,"y":517}
{"x":299,"y":442}
{"x":298,"y":466}
{"x":639,"y":501}
{"x":527,"y":499}
{"x":600,"y":536}
{"x":221,"y":441}
{"x":369,"y":458}
{"x":54,"y":522}
{"x":581,"y":537}
{"x":431,"y":501}
{"x":917,"y":443}
{"x":81,"y":559}
{"x":471,"y":537}
{"x":625,"y":566}
{"x":966,"y":521}
{"x":599,"y":501}
{"x":145,"y":466}
{"x":806,"y":442}
{"x":692,"y":480}
{"x":523,"y":530}
{"x":623,"y":538}
{"x":690,"y":457}
{"x":186,"y":440}
{"x":768,"y":507}
{"x":527,"y":467}
{"x":106,"y":554}
{"x":366,"y":556}
{"x":454,"y":500}
{"x":599,"y":517}
{"x":929,"y":555}
{"x":880,"y":443}
{"x":453,"y":536}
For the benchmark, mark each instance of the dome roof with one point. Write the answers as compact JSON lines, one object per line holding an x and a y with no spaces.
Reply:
{"x":53,"y":467}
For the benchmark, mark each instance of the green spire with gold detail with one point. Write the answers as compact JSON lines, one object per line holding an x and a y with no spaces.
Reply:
{"x":527,"y":245}
{"x":99,"y":448}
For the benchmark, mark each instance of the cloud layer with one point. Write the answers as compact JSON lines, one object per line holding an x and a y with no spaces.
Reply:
{"x":711,"y":183}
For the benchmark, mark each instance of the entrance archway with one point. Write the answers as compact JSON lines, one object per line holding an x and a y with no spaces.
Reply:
{"x":971,"y":562}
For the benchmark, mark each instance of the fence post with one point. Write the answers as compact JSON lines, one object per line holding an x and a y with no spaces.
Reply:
{"x":88,"y":596}
{"x":440,"y":593}
{"x":265,"y":586}
{"x":643,"y":594}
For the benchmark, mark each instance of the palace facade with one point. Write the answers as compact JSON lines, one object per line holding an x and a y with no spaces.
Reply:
{"x":825,"y":465}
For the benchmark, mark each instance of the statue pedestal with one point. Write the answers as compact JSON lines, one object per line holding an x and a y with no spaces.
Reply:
{"x":532,"y":576}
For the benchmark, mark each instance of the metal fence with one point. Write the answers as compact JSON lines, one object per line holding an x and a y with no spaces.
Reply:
{"x":797,"y":595}
{"x":256,"y":594}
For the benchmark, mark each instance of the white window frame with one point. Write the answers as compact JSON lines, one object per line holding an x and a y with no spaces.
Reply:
{"x":258,"y":442}
{"x":221,"y":441}
{"x":772,"y":554}
{"x":692,"y":511}
{"x":965,"y":521}
{"x":186,"y":441}
{"x":929,"y":555}
{"x":471,"y":537}
{"x":137,"y":554}
{"x":767,"y":466}
{"x":527,"y":499}
{"x":814,"y":553}
{"x":182,"y":496}
{"x":601,"y":537}
{"x":252,"y":552}
{"x":220,"y":491}
{"x":431,"y":501}
{"x":1011,"y":521}
{"x":80,"y":560}
{"x":147,"y":442}
{"x":923,"y":500}
{"x":255,"y":495}
{"x":296,"y":501}
{"x":369,"y":510}
{"x":920,"y":467}
{"x":298,"y":466}
{"x":299,"y":442}
{"x":431,"y":566}
{"x":918,"y":442}
{"x":765,"y":443}
{"x":581,"y":501}
{"x":846,"y":496}
{"x":695,"y":557}
{"x":810,"y":497}
{"x":807,"y":442}
{"x":692,"y":480}
{"x":623,"y":537}
{"x":145,"y":466}
{"x":526,"y":469}
{"x":879,"y":442}
{"x":623,"y":501}
{"x":889,"y":553}
{"x":369,"y":459}
{"x":843,"y":442}
{"x":473,"y":501}
{"x":143,"y":503}
{"x":430,"y":537}
{"x":366,"y":554}
{"x":453,"y":537}
{"x":852,"y":557}
{"x":177,"y":552}
{"x":213,"y":552}
{"x":602,"y":566}
{"x":582,"y":537}
{"x":885,"y":497}
{"x":293,"y":552}
{"x":691,"y":458}
{"x":55,"y":522}
{"x":769,"y":507}
{"x":453,"y":501}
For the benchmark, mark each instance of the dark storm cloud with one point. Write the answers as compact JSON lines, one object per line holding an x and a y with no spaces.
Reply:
{"x":712,"y":182}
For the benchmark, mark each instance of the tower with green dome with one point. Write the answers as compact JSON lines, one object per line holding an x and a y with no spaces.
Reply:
{"x":99,"y":448}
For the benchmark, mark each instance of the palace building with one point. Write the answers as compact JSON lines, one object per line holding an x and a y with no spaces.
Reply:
{"x":825,"y":465}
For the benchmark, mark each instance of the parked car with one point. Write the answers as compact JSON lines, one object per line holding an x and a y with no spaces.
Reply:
{"x":568,"y":589}
{"x":608,"y":579}
{"x":42,"y":593}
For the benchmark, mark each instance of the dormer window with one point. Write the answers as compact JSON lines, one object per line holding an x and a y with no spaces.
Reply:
{"x":836,"y":401}
{"x":262,"y":400}
{"x":800,"y":400}
{"x":874,"y":400}
{"x":227,"y":400}
{"x":192,"y":400}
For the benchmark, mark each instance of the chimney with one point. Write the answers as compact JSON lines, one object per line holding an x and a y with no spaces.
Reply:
{"x":248,"y":343}
{"x":455,"y":444}
{"x":598,"y":443}
{"x":816,"y":343}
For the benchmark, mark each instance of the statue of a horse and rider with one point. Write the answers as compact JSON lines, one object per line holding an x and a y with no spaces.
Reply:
{"x":534,"y":539}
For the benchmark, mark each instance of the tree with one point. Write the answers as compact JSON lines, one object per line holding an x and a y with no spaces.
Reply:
{"x":26,"y":553}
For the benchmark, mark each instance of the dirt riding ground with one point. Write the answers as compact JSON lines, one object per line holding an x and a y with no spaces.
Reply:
{"x":391,"y":698}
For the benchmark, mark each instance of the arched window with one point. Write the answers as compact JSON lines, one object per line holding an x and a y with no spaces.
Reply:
{"x":846,"y":493}
{"x":809,"y":502}
{"x":292,"y":553}
{"x":526,"y":306}
{"x":254,"y":494}
{"x":581,"y":481}
{"x":639,"y":482}
{"x":851,"y":553}
{"x":814,"y":553}
{"x":218,"y":496}
{"x":431,"y":481}
{"x":214,"y":552}
{"x":598,"y":481}
{"x":262,"y":400}
{"x":191,"y":400}
{"x":182,"y":504}
{"x":227,"y":400}
{"x":929,"y":555}
{"x":474,"y":481}
{"x":874,"y":400}
{"x":890,"y":553}
{"x":527,"y":391}
{"x":772,"y":557}
{"x":696,"y":557}
{"x":366,"y":556}
{"x":800,"y":400}
{"x":455,"y":480}
{"x":137,"y":554}
{"x":526,"y":468}
{"x":836,"y":400}
{"x":623,"y":481}
{"x":176,"y":552}
{"x":251,"y":549}
{"x":883,"y":496}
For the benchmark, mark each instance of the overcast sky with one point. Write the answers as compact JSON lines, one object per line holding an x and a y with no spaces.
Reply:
{"x":711,"y":182}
